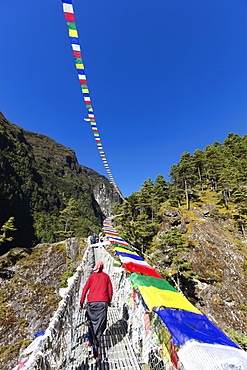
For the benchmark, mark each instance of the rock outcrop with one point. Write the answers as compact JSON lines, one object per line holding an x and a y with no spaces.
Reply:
{"x":217,"y":254}
{"x":30,"y":283}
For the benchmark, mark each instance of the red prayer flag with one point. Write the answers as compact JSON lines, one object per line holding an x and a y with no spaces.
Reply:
{"x":69,"y":17}
{"x":77,"y":54}
{"x":145,"y":270}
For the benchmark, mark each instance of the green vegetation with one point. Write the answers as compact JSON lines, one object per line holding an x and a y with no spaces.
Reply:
{"x":239,"y":338}
{"x":217,"y":174}
{"x":220,"y":168}
{"x":6,"y":229}
{"x":39,"y":179}
{"x":64,"y":281}
{"x":10,"y":352}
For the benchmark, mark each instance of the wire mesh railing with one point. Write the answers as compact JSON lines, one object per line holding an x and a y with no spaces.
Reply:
{"x":54,"y":349}
{"x":134,"y":339}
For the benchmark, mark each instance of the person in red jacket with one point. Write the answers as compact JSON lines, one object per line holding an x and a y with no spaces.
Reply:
{"x":99,"y":289}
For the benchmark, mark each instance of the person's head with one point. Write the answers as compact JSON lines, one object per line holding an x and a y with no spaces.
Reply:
{"x":98,"y":266}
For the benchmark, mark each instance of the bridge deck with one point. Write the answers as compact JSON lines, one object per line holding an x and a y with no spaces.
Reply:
{"x":115,"y":349}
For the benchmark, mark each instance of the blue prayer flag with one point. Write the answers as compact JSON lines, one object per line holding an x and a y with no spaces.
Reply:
{"x":39,"y":333}
{"x":185,"y":325}
{"x":74,"y":40}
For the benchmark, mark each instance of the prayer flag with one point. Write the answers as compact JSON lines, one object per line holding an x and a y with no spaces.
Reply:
{"x":145,"y":270}
{"x":184,"y":326}
{"x":68,"y":8}
{"x":126,"y":254}
{"x":71,"y":25}
{"x":155,"y":297}
{"x":133,"y":260}
{"x":76,"y":47}
{"x":77,"y":54}
{"x":150,"y":281}
{"x":69,"y":17}
{"x":119,"y":249}
{"x":73,"y":33}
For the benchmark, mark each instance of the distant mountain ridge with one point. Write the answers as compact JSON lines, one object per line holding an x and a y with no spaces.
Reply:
{"x":38,"y":176}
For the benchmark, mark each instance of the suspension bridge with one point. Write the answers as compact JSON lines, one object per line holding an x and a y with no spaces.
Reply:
{"x":143,"y":328}
{"x":63,"y":345}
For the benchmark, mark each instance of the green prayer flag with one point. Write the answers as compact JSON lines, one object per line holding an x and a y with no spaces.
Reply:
{"x":116,"y":245}
{"x":144,"y":280}
{"x":78,"y":61}
{"x":71,"y":25}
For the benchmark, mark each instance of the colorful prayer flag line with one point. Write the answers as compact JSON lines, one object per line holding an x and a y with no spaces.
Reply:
{"x":76,"y":49}
{"x":184,"y":321}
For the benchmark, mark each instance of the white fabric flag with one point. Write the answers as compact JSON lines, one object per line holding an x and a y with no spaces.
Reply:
{"x":129,"y":259}
{"x":76,"y":47}
{"x":68,"y":8}
{"x":203,"y":356}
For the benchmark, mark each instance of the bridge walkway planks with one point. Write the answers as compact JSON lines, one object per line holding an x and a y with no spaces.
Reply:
{"x":115,"y":351}
{"x":115,"y":348}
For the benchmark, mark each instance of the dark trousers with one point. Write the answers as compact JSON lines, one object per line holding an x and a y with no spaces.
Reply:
{"x":97,"y":318}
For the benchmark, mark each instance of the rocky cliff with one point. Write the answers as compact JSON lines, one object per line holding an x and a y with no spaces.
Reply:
{"x":212,"y":270}
{"x":30,"y":283}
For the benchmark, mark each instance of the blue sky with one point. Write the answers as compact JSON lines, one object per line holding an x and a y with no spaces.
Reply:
{"x":165,"y":77}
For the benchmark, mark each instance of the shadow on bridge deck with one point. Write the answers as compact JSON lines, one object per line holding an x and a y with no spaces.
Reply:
{"x":115,"y":349}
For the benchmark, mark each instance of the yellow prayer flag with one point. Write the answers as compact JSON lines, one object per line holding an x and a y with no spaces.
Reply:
{"x":73,"y":33}
{"x":124,"y":250}
{"x":155,"y":297}
{"x":85,"y":90}
{"x":79,"y":66}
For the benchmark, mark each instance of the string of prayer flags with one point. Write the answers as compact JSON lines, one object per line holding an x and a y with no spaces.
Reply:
{"x":113,"y":236}
{"x":79,"y":64}
{"x":130,"y":261}
{"x":183,"y":321}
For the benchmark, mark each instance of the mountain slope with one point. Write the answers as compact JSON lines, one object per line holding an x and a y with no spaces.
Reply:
{"x":38,"y":177}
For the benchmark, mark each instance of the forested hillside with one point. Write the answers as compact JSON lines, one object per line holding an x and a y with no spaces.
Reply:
{"x":48,"y":193}
{"x":193,"y":230}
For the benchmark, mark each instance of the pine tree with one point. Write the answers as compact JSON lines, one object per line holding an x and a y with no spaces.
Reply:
{"x":183,"y":176}
{"x":68,"y":220}
{"x":6,"y":229}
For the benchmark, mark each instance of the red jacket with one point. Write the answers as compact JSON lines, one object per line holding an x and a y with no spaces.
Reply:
{"x":100,"y":288}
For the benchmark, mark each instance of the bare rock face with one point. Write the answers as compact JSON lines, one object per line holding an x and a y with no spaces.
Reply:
{"x":218,"y":261}
{"x":217,"y":256}
{"x":104,"y":196}
{"x":29,"y":294}
{"x":72,"y":248}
